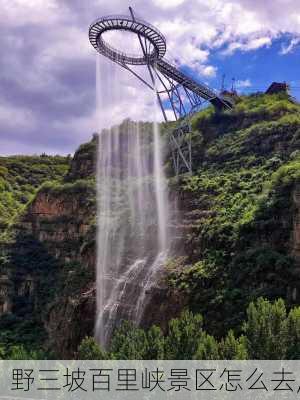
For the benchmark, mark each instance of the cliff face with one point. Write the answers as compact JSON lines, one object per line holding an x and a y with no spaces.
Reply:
{"x":235,"y":227}
{"x":49,"y":261}
{"x":83,"y":164}
{"x":296,"y":228}
{"x":239,"y":211}
{"x":50,"y":219}
{"x":63,"y":219}
{"x":21,"y":176}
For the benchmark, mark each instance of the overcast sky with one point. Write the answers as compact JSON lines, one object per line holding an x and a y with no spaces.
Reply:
{"x":47,"y":66}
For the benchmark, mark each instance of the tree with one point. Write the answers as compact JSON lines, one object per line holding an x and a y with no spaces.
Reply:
{"x":129,"y":343}
{"x":184,"y":334}
{"x":232,"y":348}
{"x":90,"y":350}
{"x":293,"y":334}
{"x":266,"y":330}
{"x":19,"y":352}
{"x":156,"y":344}
{"x":207,"y":348}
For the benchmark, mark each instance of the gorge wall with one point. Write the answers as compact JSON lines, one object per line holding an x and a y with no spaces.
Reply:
{"x":235,"y":226}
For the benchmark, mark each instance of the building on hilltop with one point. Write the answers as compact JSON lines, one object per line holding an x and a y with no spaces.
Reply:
{"x":277,"y":87}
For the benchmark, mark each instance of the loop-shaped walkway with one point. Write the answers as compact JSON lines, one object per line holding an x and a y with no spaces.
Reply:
{"x":137,"y":26}
{"x":184,"y":93}
{"x":149,"y":33}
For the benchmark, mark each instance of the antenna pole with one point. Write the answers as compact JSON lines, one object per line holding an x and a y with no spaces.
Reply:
{"x":233,"y":85}
{"x":223,"y":83}
{"x":132,"y":14}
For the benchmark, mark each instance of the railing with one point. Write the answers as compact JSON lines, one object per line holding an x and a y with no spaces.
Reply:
{"x":127,"y":18}
{"x":115,"y":53}
{"x":164,"y":64}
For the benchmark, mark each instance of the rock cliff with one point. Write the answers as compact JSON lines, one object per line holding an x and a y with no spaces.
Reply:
{"x":236,"y":231}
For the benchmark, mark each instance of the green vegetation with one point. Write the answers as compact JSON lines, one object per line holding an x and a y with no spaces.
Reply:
{"x":31,"y":271}
{"x":33,"y":276}
{"x":240,"y":209}
{"x":269,"y":333}
{"x":89,"y":350}
{"x":38,"y":282}
{"x":21,"y":176}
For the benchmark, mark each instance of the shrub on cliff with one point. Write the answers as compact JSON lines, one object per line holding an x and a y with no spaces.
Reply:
{"x":90,"y":350}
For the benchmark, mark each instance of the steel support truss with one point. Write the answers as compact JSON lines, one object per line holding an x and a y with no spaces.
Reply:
{"x":177,"y":93}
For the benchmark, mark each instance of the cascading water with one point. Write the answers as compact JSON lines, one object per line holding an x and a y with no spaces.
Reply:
{"x":132,"y":242}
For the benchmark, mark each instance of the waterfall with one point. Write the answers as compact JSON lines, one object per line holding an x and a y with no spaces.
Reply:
{"x":132,"y":239}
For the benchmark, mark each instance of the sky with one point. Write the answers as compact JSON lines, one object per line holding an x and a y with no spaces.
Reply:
{"x":48,"y":100}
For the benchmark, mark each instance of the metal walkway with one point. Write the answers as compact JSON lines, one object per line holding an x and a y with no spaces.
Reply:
{"x":189,"y":83}
{"x":178,"y":92}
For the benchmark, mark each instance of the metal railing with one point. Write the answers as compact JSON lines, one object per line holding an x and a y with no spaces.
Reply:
{"x":127,"y":18}
{"x":108,"y":49}
{"x":155,"y":58}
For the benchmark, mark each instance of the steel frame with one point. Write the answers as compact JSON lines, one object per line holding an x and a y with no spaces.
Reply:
{"x":175,"y":90}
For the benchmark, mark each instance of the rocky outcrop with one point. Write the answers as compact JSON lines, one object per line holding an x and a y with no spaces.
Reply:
{"x":50,"y":219}
{"x":60,"y":227}
{"x":70,"y":319}
{"x":63,"y":220}
{"x":83,"y":164}
{"x":49,"y":273}
{"x":296,"y":227}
